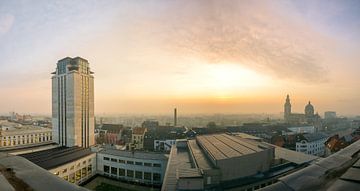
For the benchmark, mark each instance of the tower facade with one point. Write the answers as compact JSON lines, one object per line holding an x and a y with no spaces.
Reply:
{"x":73,"y":103}
{"x":287,"y":108}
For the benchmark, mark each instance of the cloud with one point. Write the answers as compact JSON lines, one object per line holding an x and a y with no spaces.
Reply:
{"x":256,"y":35}
{"x":6,"y":22}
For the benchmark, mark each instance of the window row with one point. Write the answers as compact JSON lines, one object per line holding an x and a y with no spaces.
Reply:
{"x":132,"y":162}
{"x":132,"y":174}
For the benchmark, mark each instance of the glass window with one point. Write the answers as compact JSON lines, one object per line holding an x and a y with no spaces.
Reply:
{"x":113,"y":160}
{"x":106,"y":158}
{"x":139,"y":163}
{"x":157,"y":165}
{"x":121,"y":161}
{"x":113,"y":170}
{"x":156,"y":177}
{"x":147,"y":164}
{"x":138,"y":174}
{"x":130,"y":162}
{"x":147,"y":175}
{"x":121,"y":172}
{"x":106,"y":169}
{"x":130,"y":173}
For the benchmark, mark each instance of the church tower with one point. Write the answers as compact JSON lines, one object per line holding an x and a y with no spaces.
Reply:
{"x":287,"y":108}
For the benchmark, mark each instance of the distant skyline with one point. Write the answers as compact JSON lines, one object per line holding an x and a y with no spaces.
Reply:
{"x":199,"y":56}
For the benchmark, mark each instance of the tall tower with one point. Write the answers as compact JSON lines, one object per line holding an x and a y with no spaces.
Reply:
{"x":287,"y":108}
{"x":175,"y":117}
{"x":73,"y":103}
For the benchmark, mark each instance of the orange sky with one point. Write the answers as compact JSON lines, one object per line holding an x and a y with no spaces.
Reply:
{"x":213,"y":57}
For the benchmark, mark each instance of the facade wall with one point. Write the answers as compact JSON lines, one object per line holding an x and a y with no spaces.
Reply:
{"x":247,"y":165}
{"x":25,"y":138}
{"x":147,"y":171}
{"x":73,"y":104}
{"x":316,"y":148}
{"x":77,"y":171}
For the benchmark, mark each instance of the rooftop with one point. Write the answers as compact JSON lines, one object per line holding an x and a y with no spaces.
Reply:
{"x":17,"y":173}
{"x":138,"y":130}
{"x":315,"y":136}
{"x":49,"y":159}
{"x":223,"y":146}
{"x":137,"y":154}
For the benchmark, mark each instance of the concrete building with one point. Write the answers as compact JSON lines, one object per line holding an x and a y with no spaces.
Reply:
{"x":73,"y":103}
{"x":24,"y":137}
{"x":329,"y":115}
{"x":73,"y":164}
{"x":137,"y":138}
{"x":312,"y":143}
{"x":135,"y":166}
{"x":228,"y":162}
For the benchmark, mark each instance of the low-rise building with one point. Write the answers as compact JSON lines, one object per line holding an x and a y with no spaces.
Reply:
{"x":313,"y":143}
{"x":73,"y":164}
{"x":135,"y":166}
{"x":228,"y":162}
{"x":24,"y":136}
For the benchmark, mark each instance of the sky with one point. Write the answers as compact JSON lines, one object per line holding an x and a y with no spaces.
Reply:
{"x":199,"y":56}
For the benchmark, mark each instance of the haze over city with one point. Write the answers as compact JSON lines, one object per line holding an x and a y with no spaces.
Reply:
{"x":201,"y":57}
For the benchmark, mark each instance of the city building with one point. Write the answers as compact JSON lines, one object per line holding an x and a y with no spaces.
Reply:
{"x":73,"y":103}
{"x":228,"y":162}
{"x":73,"y":164}
{"x":16,"y":136}
{"x":312,"y":143}
{"x":135,"y":166}
{"x":137,"y":137}
{"x":329,"y":115}
{"x":302,"y":129}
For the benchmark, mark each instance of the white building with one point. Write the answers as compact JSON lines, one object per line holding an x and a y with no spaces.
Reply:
{"x":142,"y":167}
{"x":73,"y":103}
{"x":313,"y":144}
{"x":73,"y":164}
{"x":24,"y":137}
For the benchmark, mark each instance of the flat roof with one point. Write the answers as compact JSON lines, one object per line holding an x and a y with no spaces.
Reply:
{"x":49,"y":159}
{"x":223,"y":146}
{"x":135,"y":154}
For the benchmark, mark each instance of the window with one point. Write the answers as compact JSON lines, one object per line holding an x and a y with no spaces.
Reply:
{"x":83,"y":172}
{"x":106,"y":158}
{"x":84,"y":162}
{"x":147,"y":175}
{"x":121,"y":161}
{"x":130,"y":173}
{"x":72,"y":178}
{"x":157,"y":165}
{"x":147,"y":164}
{"x":106,"y":169}
{"x":130,"y":162}
{"x":66,"y":178}
{"x":121,"y":172}
{"x":113,"y":170}
{"x":89,"y":169}
{"x":64,"y":171}
{"x":78,"y":175}
{"x":113,"y":160}
{"x":138,"y":174}
{"x":139,"y":163}
{"x":72,"y":168}
{"x":156,"y":177}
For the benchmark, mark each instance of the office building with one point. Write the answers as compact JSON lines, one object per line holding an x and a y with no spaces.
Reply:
{"x":134,"y":166}
{"x":73,"y":103}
